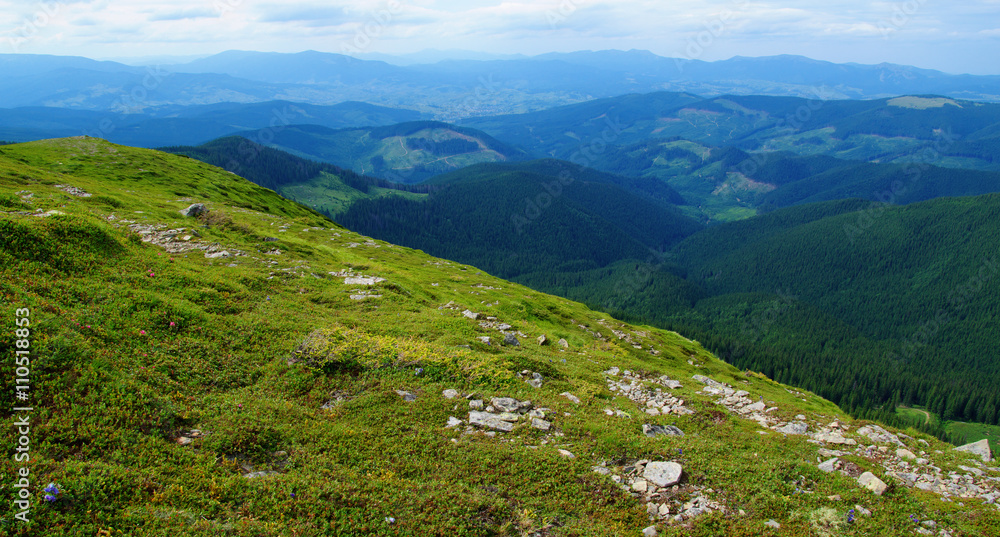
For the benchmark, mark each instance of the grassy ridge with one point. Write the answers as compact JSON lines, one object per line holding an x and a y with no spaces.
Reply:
{"x":137,"y":345}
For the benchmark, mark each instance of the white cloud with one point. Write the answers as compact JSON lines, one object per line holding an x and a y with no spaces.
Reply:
{"x":934,"y":34}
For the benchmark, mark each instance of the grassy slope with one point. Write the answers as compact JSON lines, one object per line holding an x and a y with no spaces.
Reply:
{"x":135,"y":345}
{"x":973,"y":432}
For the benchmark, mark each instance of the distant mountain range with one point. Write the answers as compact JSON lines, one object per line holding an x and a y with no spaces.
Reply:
{"x":454,"y":89}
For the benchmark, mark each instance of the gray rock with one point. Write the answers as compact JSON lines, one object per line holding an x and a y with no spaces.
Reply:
{"x":476,"y":404}
{"x":563,"y":343}
{"x":571,"y":397}
{"x":195,"y":209}
{"x":471,"y":315}
{"x":263,"y":473}
{"x":834,"y":438}
{"x":880,"y":435}
{"x":773,"y":524}
{"x":484,"y":339}
{"x":540,"y":424}
{"x":872,"y":483}
{"x":660,"y":430}
{"x":672,"y":384}
{"x":829,"y":465}
{"x":450,"y":394}
{"x":357,"y":280}
{"x":490,"y":421}
{"x":797,"y":427}
{"x":707,"y":381}
{"x":407,"y":396}
{"x":567,"y":454}
{"x":511,"y":340}
{"x":535,"y":383}
{"x":905,"y":454}
{"x":981,"y":448}
{"x":663,"y":474}
{"x":542,"y":340}
{"x":649,"y":532}
{"x":505,"y":404}
{"x":216,"y":255}
{"x":453,"y":422}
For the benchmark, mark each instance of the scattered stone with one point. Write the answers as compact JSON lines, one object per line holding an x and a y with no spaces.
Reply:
{"x":574,"y":399}
{"x":195,"y":210}
{"x":476,"y":404}
{"x":663,"y":474}
{"x":834,"y":438}
{"x":216,"y":255}
{"x":773,"y":524}
{"x":471,"y":315}
{"x":407,"y":396}
{"x":879,"y":435}
{"x":511,"y":340}
{"x":905,"y":454}
{"x":862,"y":511}
{"x":542,"y":340}
{"x":981,"y":448}
{"x":183,"y":440}
{"x":450,"y":394}
{"x":490,"y":420}
{"x":640,"y":485}
{"x":797,"y":427}
{"x":830,"y":465}
{"x":484,"y":339}
{"x":505,"y":404}
{"x":264,"y":473}
{"x":872,"y":483}
{"x":649,"y":531}
{"x":540,"y":424}
{"x":563,"y":343}
{"x":358,"y":280}
{"x":660,"y":430}
{"x":600,"y":470}
{"x":453,"y":422}
{"x":567,"y":454}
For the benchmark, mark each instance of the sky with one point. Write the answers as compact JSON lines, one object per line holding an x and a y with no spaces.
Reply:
{"x":955,"y":37}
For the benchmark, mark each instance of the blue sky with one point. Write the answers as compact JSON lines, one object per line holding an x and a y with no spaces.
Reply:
{"x":952,"y":36}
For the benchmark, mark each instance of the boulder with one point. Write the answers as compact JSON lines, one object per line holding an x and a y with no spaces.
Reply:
{"x":663,"y":474}
{"x":872,"y":483}
{"x":471,"y":315}
{"x":505,"y":404}
{"x":981,"y":448}
{"x":490,"y":421}
{"x":194,"y":210}
{"x":540,"y":424}
{"x":797,"y":427}
{"x":829,"y":465}
{"x":660,"y":430}
{"x":905,"y":454}
{"x":571,"y":397}
{"x":511,"y":340}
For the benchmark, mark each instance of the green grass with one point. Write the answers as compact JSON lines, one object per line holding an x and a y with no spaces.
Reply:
{"x":134,"y":346}
{"x":970,"y":432}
